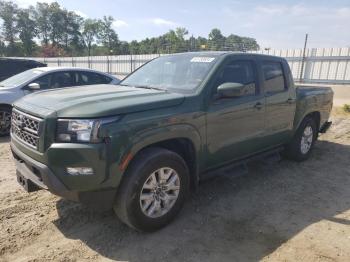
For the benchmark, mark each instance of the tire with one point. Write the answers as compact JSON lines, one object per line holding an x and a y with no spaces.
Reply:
{"x":5,"y":120}
{"x":137,"y":180}
{"x":300,"y":148}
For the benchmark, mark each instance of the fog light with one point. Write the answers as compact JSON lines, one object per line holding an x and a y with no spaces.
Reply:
{"x":64,"y":137}
{"x":76,"y":171}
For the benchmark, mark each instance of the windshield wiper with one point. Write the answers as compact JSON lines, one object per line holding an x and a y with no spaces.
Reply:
{"x":145,"y":87}
{"x":151,"y":87}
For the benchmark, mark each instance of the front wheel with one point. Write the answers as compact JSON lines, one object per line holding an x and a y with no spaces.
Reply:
{"x":153,"y":191}
{"x":302,"y":144}
{"x":5,"y":120}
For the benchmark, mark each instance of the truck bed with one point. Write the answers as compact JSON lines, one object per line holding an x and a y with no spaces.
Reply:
{"x":317,"y":98}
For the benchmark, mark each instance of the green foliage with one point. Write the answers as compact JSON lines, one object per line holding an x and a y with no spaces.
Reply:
{"x":346,"y":108}
{"x":108,"y":36}
{"x":91,"y":29}
{"x":8,"y":13}
{"x":27,"y":30}
{"x":59,"y":31}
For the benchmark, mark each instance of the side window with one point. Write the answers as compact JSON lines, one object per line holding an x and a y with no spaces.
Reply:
{"x":91,"y":78}
{"x":105,"y":79}
{"x":61,"y":79}
{"x":242,"y":72}
{"x":43,"y":81}
{"x":274,"y":77}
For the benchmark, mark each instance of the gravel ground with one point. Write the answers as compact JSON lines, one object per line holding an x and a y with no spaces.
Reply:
{"x":283,"y":211}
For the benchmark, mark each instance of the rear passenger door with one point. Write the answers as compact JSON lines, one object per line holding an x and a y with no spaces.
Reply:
{"x":280,"y":101}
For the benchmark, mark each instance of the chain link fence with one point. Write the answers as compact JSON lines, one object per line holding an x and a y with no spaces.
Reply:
{"x":320,"y":65}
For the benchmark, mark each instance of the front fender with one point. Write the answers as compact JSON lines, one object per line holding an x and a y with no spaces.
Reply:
{"x":157,"y":135}
{"x":129,"y":145}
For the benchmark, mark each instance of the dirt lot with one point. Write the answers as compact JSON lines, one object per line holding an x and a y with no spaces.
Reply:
{"x":282,"y":211}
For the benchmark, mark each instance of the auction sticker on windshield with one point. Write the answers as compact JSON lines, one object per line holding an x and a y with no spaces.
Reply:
{"x":202,"y":59}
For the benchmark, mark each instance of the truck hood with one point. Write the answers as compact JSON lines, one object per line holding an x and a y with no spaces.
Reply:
{"x":96,"y":101}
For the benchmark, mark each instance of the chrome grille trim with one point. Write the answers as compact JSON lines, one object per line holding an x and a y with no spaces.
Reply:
{"x":26,"y":128}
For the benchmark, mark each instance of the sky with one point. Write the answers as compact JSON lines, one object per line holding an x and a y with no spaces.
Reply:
{"x":274,"y":24}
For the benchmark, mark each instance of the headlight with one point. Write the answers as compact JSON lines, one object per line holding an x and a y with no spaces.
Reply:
{"x":80,"y":130}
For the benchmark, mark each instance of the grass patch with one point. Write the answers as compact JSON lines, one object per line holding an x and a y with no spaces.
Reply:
{"x":346,"y":108}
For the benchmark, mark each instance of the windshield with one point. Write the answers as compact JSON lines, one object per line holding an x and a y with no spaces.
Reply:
{"x":183,"y":73}
{"x":21,"y":78}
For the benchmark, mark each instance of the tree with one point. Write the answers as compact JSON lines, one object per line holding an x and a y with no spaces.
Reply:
{"x":8,"y":13}
{"x":249,"y":44}
{"x":72,"y":37}
{"x":134,"y":47}
{"x":51,"y":51}
{"x":62,"y":32}
{"x":108,"y":36}
{"x":42,"y":17}
{"x":216,"y":39}
{"x":238,"y":43}
{"x":181,"y":32}
{"x":27,"y":29}
{"x":57,"y":22}
{"x":91,"y":29}
{"x":2,"y":48}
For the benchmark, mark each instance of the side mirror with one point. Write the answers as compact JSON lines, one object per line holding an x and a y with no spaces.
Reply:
{"x":34,"y":86}
{"x":227,"y":90}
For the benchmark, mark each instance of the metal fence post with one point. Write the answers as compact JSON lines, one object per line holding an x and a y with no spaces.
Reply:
{"x":346,"y":65}
{"x":108,"y":70}
{"x":131,"y":62}
{"x":303,"y":60}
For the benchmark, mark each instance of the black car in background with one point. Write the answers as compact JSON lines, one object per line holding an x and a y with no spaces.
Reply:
{"x":13,"y":66}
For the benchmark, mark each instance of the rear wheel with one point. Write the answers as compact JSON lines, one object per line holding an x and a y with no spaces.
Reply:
{"x":5,"y":120}
{"x":302,"y":144}
{"x":153,"y":191}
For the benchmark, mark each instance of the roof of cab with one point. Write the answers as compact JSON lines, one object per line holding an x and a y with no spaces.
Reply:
{"x":222,"y":53}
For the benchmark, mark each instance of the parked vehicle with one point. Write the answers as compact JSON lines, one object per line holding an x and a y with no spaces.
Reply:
{"x":13,"y":66}
{"x":44,"y":78}
{"x":142,"y":147}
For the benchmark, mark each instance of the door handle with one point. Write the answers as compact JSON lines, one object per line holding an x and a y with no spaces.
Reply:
{"x":290,"y":100}
{"x":258,"y":105}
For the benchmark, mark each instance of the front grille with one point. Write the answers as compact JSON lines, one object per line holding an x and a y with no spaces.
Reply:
{"x":26,"y":128}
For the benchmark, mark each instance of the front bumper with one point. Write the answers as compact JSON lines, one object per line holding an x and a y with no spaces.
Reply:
{"x":33,"y":176}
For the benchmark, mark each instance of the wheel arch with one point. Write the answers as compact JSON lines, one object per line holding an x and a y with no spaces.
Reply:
{"x":186,"y":142}
{"x":316,"y":115}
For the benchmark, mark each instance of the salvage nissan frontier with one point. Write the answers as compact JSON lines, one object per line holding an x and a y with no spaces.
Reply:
{"x":140,"y":147}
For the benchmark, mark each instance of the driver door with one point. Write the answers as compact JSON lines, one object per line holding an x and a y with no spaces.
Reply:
{"x":235,"y":125}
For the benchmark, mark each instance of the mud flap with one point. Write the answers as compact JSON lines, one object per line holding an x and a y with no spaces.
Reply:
{"x":325,"y":127}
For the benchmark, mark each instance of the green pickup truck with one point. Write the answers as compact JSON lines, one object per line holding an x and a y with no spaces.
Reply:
{"x":142,"y":146}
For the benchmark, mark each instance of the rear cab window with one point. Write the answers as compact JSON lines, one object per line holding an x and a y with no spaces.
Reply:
{"x":274,"y":77}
